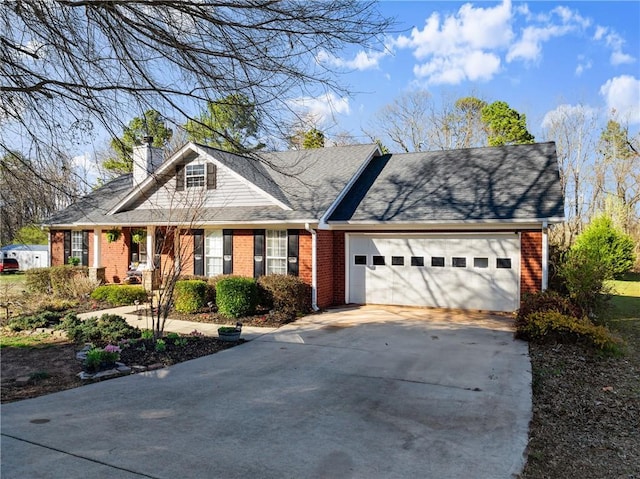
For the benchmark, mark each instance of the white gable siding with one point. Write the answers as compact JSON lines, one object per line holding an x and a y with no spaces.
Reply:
{"x":229,"y":191}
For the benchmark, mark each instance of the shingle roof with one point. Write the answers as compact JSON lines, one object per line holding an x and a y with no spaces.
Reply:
{"x":307,"y":181}
{"x":505,"y":183}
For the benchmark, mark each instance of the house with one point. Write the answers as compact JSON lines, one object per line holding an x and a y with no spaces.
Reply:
{"x":456,"y":229}
{"x":28,"y":255}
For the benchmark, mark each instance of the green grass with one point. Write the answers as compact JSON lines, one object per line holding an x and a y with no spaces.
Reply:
{"x":624,"y":315}
{"x":33,"y":340}
{"x":12,"y":284}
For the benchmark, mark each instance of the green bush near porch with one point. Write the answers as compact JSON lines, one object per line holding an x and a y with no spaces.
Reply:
{"x":236,"y":296}
{"x":189,"y":295}
{"x":119,"y":294}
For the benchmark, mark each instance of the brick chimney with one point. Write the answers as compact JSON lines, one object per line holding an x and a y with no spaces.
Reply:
{"x":146,"y":159}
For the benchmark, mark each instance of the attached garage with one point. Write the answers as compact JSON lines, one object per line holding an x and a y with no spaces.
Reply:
{"x":466,"y":271}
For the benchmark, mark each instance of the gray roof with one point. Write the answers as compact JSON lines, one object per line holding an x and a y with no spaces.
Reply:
{"x":307,"y":181}
{"x":517,"y":182}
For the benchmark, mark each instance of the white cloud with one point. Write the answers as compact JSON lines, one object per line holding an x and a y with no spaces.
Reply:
{"x":362,"y":60}
{"x":567,"y":111}
{"x":616,"y":43}
{"x":529,"y":46}
{"x":460,"y":47}
{"x":322,"y":108}
{"x":622,"y":95}
{"x":583,"y":65}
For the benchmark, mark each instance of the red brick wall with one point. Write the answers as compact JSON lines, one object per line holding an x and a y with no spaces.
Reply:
{"x":243,"y":253}
{"x":325,"y":268}
{"x":185,"y":252}
{"x":115,"y":256}
{"x":305,"y":263}
{"x":530,"y":261}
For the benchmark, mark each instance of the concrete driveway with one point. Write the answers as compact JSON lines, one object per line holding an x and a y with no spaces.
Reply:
{"x":368,"y":392}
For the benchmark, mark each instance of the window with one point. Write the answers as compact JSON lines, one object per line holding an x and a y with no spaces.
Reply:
{"x":360,"y":259}
{"x":76,"y":245}
{"x":417,"y":261}
{"x":458,"y":262}
{"x":213,"y":253}
{"x":437,"y":261}
{"x":378,"y":260}
{"x":504,"y":263}
{"x":480,"y":262}
{"x":397,"y":260}
{"x":139,"y":252}
{"x":276,"y":251}
{"x":195,"y":175}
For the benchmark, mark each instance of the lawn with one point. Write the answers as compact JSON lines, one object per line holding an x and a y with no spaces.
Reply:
{"x":12,"y":284}
{"x":625,"y":307}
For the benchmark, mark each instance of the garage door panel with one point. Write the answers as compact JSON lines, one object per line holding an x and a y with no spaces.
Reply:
{"x":480,"y":284}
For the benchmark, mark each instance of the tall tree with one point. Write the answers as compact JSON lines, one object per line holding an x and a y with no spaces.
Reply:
{"x":230,"y":124}
{"x":572,"y":129}
{"x":150,"y":124}
{"x":414,"y":123}
{"x":26,"y":198}
{"x":69,"y":69}
{"x":505,"y":126}
{"x":617,"y":174}
{"x":313,"y":138}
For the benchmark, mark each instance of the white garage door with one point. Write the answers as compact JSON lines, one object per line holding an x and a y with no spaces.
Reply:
{"x":448,"y":271}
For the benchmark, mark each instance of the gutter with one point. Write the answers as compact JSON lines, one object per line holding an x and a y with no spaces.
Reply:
{"x":314,"y":268}
{"x":545,"y":255}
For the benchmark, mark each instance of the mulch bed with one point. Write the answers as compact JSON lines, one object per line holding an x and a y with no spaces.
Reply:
{"x":261,"y":319}
{"x":586,"y":414}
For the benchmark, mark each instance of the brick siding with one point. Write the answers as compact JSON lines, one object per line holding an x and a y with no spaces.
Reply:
{"x":243,"y":253}
{"x":115,"y":256}
{"x":530,"y":261}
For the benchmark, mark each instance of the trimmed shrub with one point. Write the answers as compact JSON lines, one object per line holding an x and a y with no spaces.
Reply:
{"x":210,"y":292}
{"x":544,"y":301}
{"x":120,"y":294}
{"x":189,"y":295}
{"x":555,"y":327}
{"x":286,"y":294}
{"x":236,"y":296}
{"x":109,"y":328}
{"x":38,"y":280}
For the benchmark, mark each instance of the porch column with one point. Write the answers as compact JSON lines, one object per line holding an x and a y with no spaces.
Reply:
{"x":97,"y":247}
{"x":151,"y":244}
{"x":97,"y":271}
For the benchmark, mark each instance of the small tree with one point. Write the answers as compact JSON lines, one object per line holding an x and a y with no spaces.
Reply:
{"x":313,"y":138}
{"x":505,"y":125}
{"x":601,"y":240}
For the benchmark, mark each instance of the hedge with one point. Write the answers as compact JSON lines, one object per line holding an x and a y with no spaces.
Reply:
{"x":38,"y":280}
{"x":286,"y":294}
{"x":119,"y":294}
{"x":189,"y":295}
{"x":236,"y":296}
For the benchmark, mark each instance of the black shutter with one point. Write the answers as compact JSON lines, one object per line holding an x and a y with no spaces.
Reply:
{"x":211,"y":176}
{"x":67,"y":247}
{"x":258,"y":253}
{"x":292,"y":252}
{"x":85,"y":248}
{"x":227,"y":251}
{"x":180,"y":178}
{"x":198,"y":252}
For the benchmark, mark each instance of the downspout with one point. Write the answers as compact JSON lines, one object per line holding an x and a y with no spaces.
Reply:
{"x":545,"y":255}
{"x":314,"y":268}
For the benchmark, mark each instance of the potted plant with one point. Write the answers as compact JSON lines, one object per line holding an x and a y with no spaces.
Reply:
{"x":139,"y":236}
{"x":230,"y":333}
{"x":113,"y":235}
{"x":73,"y":261}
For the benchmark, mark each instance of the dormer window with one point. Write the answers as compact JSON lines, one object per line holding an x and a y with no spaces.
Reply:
{"x":195,"y":175}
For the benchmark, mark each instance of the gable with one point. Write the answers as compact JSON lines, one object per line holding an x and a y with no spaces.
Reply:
{"x":197,"y":178}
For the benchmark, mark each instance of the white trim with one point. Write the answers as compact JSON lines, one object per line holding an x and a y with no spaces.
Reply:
{"x":391,"y":224}
{"x":323,"y":220}
{"x":347,"y":242}
{"x":97,"y":247}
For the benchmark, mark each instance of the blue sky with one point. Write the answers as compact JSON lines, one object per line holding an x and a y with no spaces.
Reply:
{"x":534,"y":55}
